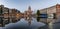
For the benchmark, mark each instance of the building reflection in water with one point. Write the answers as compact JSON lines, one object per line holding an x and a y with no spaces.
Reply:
{"x":29,"y":21}
{"x":8,"y":15}
{"x":4,"y":21}
{"x":48,"y":21}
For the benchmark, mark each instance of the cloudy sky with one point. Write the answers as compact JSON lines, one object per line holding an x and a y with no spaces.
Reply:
{"x":22,"y":5}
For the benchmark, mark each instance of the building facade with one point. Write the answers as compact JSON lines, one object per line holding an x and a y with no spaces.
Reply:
{"x":28,"y":13}
{"x":43,"y":11}
{"x":8,"y":15}
{"x":52,"y":12}
{"x":58,"y":10}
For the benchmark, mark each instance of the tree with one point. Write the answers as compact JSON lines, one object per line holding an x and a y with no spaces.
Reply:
{"x":38,"y":12}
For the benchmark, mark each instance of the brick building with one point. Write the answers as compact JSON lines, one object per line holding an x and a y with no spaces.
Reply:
{"x":58,"y":10}
{"x":52,"y":12}
{"x":8,"y":15}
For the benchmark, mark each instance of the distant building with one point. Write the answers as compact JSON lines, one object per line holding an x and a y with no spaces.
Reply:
{"x":28,"y":12}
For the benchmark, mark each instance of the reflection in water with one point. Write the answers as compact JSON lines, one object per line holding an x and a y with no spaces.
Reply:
{"x":38,"y":19}
{"x":50,"y":25}
{"x":44,"y":20}
{"x":32,"y":23}
{"x":29,"y":21}
{"x":4,"y":21}
{"x":43,"y":27}
{"x":23,"y":24}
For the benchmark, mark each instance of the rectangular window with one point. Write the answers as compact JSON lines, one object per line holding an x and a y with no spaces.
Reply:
{"x":43,"y":16}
